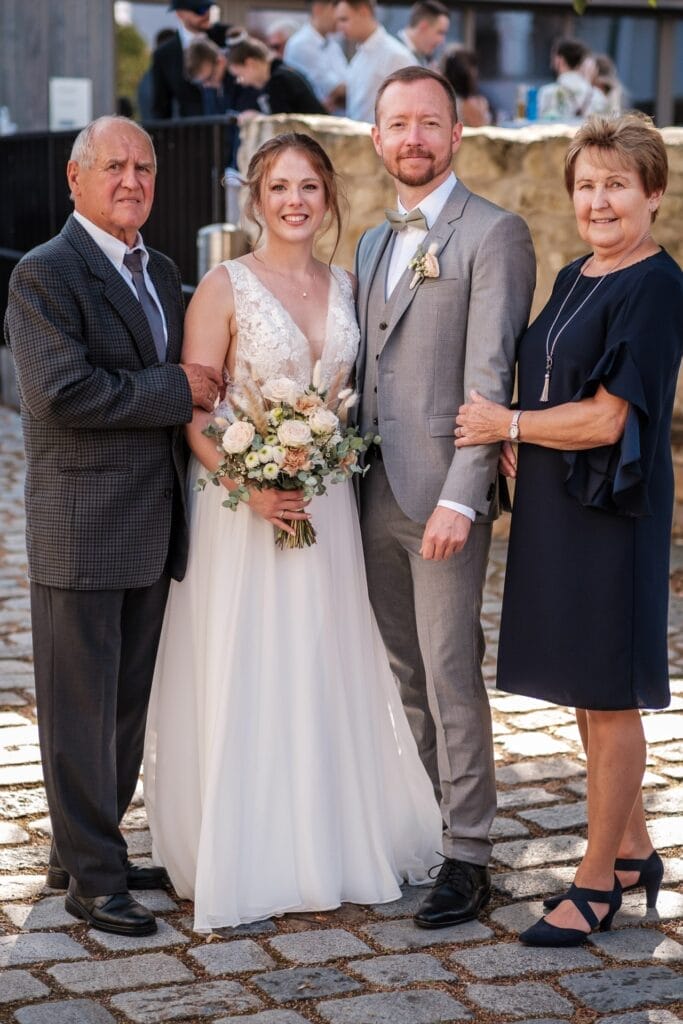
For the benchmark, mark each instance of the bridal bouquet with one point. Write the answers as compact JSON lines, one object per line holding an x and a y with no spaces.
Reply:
{"x":278,"y":435}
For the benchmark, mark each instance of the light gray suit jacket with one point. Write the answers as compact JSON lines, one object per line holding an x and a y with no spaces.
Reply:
{"x":445,"y":337}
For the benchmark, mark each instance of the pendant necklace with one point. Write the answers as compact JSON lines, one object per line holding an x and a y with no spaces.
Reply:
{"x":550,"y":347}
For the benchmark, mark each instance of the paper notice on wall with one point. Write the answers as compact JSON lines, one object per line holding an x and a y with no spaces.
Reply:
{"x":70,"y":103}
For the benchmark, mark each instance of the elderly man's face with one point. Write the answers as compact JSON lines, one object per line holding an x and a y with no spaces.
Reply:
{"x":116,"y":193}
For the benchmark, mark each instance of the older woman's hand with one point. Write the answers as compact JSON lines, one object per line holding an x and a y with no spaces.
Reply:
{"x":481,"y":422}
{"x":507,"y":460}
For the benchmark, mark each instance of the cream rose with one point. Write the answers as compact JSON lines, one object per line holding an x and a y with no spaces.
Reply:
{"x":238,"y":437}
{"x":323,"y":421}
{"x":281,"y":389}
{"x":294,"y":433}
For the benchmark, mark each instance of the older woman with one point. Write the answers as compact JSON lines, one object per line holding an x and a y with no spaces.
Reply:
{"x":584,"y":618}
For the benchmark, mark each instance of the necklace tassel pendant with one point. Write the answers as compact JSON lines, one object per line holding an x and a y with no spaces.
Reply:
{"x":546,"y":380}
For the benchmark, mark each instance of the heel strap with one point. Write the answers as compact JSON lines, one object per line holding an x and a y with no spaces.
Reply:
{"x":626,"y":864}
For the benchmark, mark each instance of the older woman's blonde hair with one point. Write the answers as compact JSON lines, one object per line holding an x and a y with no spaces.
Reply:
{"x":634,"y":141}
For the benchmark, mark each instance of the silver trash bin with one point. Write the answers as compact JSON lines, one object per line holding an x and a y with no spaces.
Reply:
{"x":218,"y":242}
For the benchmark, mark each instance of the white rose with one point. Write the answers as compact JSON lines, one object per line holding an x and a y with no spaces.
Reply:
{"x":281,"y":389}
{"x":270,"y":472}
{"x":279,"y":454}
{"x":251,"y":460}
{"x":265,"y":454}
{"x":238,"y":437}
{"x":294,"y":433}
{"x":323,"y":421}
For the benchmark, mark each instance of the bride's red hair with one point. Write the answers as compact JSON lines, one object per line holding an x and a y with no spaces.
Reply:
{"x":266,"y":155}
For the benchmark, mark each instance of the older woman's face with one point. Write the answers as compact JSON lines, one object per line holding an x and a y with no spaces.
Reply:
{"x":612,"y":211}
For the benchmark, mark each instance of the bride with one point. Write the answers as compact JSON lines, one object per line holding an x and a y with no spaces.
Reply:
{"x":280,"y":771}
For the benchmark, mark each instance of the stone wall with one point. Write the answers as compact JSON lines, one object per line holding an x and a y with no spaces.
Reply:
{"x":520,"y":169}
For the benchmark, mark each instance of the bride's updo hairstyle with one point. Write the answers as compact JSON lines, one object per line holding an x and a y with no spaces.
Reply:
{"x":263,"y":160}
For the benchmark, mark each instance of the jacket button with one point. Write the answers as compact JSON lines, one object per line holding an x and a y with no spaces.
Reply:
{"x":375,"y":421}
{"x":375,"y":389}
{"x":168,"y":493}
{"x":377,"y":357}
{"x":383,"y":325}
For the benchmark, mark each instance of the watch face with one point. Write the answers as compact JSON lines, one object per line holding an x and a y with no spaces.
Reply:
{"x":514,"y":431}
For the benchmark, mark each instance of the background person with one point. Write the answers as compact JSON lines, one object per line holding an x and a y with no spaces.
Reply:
{"x":571,"y":97}
{"x":426,"y":31}
{"x":315,"y":54}
{"x":377,"y":55}
{"x":282,"y":90}
{"x":173,"y":93}
{"x":460,"y":67}
{"x":584,"y":618}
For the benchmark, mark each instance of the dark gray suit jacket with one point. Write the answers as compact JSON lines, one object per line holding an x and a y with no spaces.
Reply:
{"x":101,"y":417}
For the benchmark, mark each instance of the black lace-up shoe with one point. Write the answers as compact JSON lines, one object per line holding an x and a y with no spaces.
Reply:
{"x":118,"y":913}
{"x":460,"y":891}
{"x":137,"y":877}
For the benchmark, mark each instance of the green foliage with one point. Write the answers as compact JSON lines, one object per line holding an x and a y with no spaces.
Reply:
{"x":132,"y":60}
{"x":581,"y":5}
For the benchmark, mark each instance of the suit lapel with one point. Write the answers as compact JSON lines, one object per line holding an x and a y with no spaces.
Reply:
{"x":116,"y":291}
{"x":440,"y":235}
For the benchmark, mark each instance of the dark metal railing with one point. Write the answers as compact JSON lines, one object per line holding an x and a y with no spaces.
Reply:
{"x":191,"y":154}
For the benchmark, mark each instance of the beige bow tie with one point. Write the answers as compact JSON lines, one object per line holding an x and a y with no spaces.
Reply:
{"x":399,"y":221}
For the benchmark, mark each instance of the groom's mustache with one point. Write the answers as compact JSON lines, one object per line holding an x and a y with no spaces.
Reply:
{"x":414,"y":151}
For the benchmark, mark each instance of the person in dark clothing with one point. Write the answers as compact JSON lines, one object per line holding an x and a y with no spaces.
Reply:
{"x":284,"y":90}
{"x":145,"y":86}
{"x":173,"y":94}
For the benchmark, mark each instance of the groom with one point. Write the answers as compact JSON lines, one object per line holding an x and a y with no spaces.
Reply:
{"x":426,"y":508}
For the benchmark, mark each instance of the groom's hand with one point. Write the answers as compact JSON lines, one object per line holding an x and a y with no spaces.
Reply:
{"x":445,"y":534}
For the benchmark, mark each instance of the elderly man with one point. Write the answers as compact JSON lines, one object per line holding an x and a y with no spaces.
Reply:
{"x":94,"y":320}
{"x":431,"y":331}
{"x":426,"y":31}
{"x":377,"y":55}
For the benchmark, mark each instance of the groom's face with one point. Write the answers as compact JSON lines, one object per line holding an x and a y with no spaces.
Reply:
{"x":415,"y":135}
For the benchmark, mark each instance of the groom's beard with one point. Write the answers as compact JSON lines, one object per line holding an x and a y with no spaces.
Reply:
{"x":397,"y":167}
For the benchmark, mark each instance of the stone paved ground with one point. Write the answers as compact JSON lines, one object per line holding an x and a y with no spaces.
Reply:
{"x":356,"y":965}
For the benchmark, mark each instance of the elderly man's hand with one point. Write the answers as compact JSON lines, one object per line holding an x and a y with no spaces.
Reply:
{"x":205,"y":384}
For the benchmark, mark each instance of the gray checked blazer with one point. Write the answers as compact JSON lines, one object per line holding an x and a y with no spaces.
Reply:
{"x":101,"y":417}
{"x":441,"y":339}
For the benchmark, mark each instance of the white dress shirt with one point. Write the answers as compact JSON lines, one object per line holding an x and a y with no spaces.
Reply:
{"x":115,"y":250}
{"x":405,"y":244}
{"x":380,"y":55}
{"x":319,"y":58}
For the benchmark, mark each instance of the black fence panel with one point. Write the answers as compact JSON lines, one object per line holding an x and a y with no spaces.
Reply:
{"x":35,"y":196}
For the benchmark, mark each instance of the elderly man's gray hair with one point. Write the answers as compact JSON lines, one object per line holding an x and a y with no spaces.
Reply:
{"x":85,"y":144}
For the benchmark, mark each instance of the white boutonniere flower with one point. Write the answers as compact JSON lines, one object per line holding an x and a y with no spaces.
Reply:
{"x":425,"y":264}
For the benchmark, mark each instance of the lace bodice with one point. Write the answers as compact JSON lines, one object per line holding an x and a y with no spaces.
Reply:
{"x":269,"y":343}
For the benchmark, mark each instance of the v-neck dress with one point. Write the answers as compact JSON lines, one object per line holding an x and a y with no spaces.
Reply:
{"x":584,"y":619}
{"x":280,"y":770}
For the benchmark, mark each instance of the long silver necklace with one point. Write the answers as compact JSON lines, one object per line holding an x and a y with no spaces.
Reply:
{"x":550,"y":348}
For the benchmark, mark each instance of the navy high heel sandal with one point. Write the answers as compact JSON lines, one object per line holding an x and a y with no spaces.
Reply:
{"x":545,"y":934}
{"x":650,"y":879}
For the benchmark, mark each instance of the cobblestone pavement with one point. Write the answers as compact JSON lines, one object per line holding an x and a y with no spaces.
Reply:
{"x":356,"y":965}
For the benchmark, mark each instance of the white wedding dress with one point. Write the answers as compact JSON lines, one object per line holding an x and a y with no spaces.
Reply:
{"x":280,"y":771}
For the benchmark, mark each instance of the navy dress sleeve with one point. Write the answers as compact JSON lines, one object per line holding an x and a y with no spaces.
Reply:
{"x":642,"y":353}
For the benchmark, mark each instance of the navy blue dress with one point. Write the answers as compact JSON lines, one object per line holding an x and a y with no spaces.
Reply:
{"x":584,"y":620}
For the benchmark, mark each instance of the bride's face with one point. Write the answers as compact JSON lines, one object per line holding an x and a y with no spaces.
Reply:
{"x":293,"y":202}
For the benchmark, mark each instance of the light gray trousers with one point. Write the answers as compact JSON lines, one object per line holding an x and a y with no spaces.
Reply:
{"x":429,"y":615}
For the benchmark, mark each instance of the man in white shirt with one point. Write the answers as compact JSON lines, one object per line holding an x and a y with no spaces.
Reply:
{"x":378,"y":54}
{"x":426,"y":30}
{"x":314,"y":53}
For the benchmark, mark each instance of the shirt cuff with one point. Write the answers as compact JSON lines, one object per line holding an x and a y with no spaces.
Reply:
{"x":455,"y":506}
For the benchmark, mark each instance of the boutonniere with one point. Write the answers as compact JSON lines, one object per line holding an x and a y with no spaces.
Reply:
{"x":425,"y":264}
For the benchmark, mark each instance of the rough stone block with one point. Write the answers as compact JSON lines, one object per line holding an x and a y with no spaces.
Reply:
{"x":11,"y":835}
{"x":18,"y":803}
{"x":46,"y":913}
{"x":534,"y":852}
{"x":642,"y":1017}
{"x":266,"y":1017}
{"x":520,"y":1000}
{"x":508,"y":960}
{"x":68,"y":1011}
{"x":164,"y":936}
{"x":38,"y":946}
{"x":419,"y":1006}
{"x":411,"y":898}
{"x":635,"y":912}
{"x":539,"y":771}
{"x":185,"y":1002}
{"x":638,"y":944}
{"x":232,"y":957}
{"x":504,"y":828}
{"x":304,"y":983}
{"x":561,"y":817}
{"x":401,"y":969}
{"x":666,"y":801}
{"x":516,"y":917}
{"x":130,"y":972}
{"x":525,"y":796}
{"x":19,"y":887}
{"x":624,"y":987}
{"x":399,"y":935}
{"x":534,"y":744}
{"x":315,"y":947}
{"x":16,"y":985}
{"x":666,"y":832}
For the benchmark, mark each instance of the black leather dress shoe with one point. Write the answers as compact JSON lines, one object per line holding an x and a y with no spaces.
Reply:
{"x":460,"y":891}
{"x":137,"y":877}
{"x":118,"y":913}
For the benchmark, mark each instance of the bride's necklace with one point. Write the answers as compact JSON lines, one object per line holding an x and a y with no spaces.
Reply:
{"x":303,"y":292}
{"x":551,"y":346}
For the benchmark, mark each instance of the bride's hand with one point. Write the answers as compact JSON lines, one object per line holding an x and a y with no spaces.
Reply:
{"x":278,"y":507}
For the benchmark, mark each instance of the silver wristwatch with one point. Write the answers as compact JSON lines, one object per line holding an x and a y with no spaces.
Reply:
{"x":513,"y":433}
